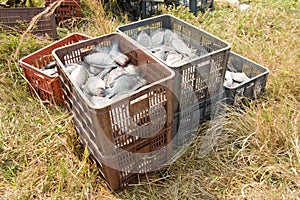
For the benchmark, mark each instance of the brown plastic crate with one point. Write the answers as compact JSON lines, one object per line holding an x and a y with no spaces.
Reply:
{"x":128,"y":122}
{"x":114,"y":125}
{"x":47,"y":87}
{"x":17,"y":19}
{"x":66,"y":10}
{"x":133,"y":164}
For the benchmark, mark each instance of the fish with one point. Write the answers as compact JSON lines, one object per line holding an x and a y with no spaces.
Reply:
{"x":51,"y":65}
{"x":230,"y":67}
{"x":70,"y":67}
{"x":239,"y":77}
{"x":99,"y":59}
{"x":168,"y":37}
{"x":134,"y":70}
{"x":228,"y":82}
{"x":50,"y":71}
{"x":125,"y":84}
{"x":79,"y":75}
{"x":93,"y":85}
{"x":172,"y":58}
{"x":181,"y":47}
{"x":161,"y":51}
{"x":113,"y":74}
{"x":100,"y":101}
{"x":117,"y":55}
{"x":144,"y":39}
{"x":157,"y":37}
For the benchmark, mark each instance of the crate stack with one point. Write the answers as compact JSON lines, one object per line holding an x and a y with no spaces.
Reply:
{"x":198,"y":83}
{"x":141,"y":132}
{"x":131,"y":136}
{"x":66,"y":10}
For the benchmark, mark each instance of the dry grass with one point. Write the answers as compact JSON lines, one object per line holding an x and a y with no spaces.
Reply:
{"x":252,"y":153}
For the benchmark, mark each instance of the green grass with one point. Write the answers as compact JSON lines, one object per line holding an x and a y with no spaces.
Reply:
{"x":242,"y":154}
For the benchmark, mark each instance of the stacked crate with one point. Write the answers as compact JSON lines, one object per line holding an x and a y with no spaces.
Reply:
{"x":131,"y":137}
{"x":197,"y":83}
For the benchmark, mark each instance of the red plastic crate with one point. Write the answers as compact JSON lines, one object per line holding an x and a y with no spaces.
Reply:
{"x":47,"y":87}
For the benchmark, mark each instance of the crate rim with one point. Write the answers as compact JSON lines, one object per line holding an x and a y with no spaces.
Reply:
{"x":228,"y":46}
{"x":26,"y":65}
{"x":266,"y":71}
{"x":125,"y":96}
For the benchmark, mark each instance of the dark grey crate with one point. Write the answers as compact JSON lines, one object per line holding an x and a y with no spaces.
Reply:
{"x":252,"y":89}
{"x":197,"y":5}
{"x":186,"y":122}
{"x":202,"y":77}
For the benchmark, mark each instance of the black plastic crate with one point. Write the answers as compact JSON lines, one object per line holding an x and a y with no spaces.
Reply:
{"x":251,"y":89}
{"x":197,"y":5}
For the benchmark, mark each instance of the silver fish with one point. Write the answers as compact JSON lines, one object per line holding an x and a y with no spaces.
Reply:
{"x":51,"y":65}
{"x":99,"y":59}
{"x":100,"y":101}
{"x":157,"y":37}
{"x":168,"y":37}
{"x":239,"y":77}
{"x":50,"y":71}
{"x":70,"y":67}
{"x":228,"y":79}
{"x":134,"y":70}
{"x":173,"y":57}
{"x":117,"y":55}
{"x":144,"y":39}
{"x":94,"y":85}
{"x":161,"y":51}
{"x":125,"y":84}
{"x":79,"y":75}
{"x":230,"y":67}
{"x":113,"y":74}
{"x":181,"y":47}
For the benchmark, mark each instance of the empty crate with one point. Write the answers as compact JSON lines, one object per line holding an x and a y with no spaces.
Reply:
{"x":17,"y":20}
{"x":251,"y":89}
{"x":66,"y":10}
{"x":48,"y":87}
{"x":140,"y":122}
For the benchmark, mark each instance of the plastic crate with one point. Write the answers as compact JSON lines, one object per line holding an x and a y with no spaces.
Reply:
{"x":66,"y":10}
{"x":47,"y":87}
{"x":17,"y":20}
{"x":197,"y":5}
{"x":134,"y":164}
{"x":202,"y":77}
{"x":186,"y":122}
{"x":252,"y":89}
{"x":129,"y":121}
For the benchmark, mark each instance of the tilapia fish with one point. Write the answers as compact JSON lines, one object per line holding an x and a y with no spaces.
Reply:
{"x":125,"y":84}
{"x":117,"y":55}
{"x":144,"y":39}
{"x":79,"y":75}
{"x":157,"y":37}
{"x":94,"y":86}
{"x":99,"y":59}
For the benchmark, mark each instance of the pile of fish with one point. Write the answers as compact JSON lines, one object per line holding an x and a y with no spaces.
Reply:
{"x":50,"y":69}
{"x":169,"y":47}
{"x":234,"y":78}
{"x":105,"y":74}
